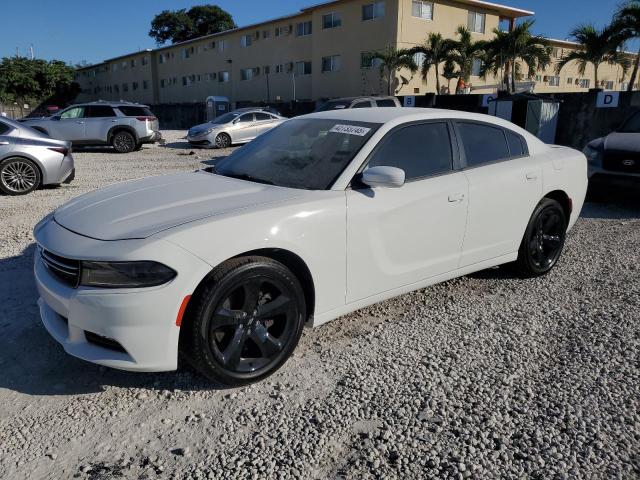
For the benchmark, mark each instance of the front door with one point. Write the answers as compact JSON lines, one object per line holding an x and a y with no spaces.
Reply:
{"x":70,"y":126}
{"x":400,"y":236}
{"x":245,"y":128}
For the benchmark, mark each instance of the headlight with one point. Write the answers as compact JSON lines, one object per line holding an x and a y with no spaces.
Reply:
{"x":592,"y":154}
{"x":125,"y":274}
{"x":209,"y":130}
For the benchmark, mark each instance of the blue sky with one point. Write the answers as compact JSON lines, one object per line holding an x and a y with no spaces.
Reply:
{"x":94,"y":30}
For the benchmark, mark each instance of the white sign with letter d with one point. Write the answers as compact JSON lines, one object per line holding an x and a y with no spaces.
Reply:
{"x":607,"y":99}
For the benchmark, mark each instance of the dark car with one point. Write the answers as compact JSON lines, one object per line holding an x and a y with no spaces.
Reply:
{"x":616,"y":156}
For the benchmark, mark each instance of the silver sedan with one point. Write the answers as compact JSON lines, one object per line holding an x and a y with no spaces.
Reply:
{"x":237,"y":127}
{"x":29,"y":159}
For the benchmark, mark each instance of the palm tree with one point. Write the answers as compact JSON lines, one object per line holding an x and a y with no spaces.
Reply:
{"x":596,"y":47}
{"x":449,"y":72}
{"x":463,"y":52}
{"x":393,"y":60}
{"x":509,"y":50}
{"x":626,"y":23}
{"x":435,"y":50}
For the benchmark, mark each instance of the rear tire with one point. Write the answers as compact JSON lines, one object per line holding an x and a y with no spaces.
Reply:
{"x":19,"y":176}
{"x":543,"y":240}
{"x":123,"y":142}
{"x":223,"y":140}
{"x":246,"y":322}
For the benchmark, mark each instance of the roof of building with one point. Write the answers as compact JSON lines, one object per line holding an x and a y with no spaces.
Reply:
{"x":503,"y":10}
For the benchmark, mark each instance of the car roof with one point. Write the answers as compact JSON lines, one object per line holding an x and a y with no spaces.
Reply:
{"x":352,"y":99}
{"x":110,"y":104}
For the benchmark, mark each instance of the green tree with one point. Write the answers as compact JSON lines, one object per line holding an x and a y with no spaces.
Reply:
{"x":596,"y":47}
{"x":393,"y":60}
{"x":626,"y":24}
{"x":449,"y":72}
{"x":507,"y":52}
{"x":181,"y":25}
{"x":464,"y":51}
{"x":436,"y":50}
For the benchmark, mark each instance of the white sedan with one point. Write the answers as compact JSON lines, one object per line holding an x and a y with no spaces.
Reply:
{"x":323,"y":215}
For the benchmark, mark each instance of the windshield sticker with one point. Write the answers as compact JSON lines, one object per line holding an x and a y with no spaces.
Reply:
{"x":350,"y":130}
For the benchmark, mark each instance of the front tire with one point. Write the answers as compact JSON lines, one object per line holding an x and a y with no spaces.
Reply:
{"x":543,"y":239}
{"x":246,"y":322}
{"x":19,"y":176}
{"x":123,"y":142}
{"x":223,"y":140}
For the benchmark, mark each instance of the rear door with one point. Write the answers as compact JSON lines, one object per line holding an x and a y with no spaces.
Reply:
{"x":505,"y":185}
{"x":264,"y":122}
{"x":244,"y":128}
{"x":98,"y":120}
{"x":399,"y":236}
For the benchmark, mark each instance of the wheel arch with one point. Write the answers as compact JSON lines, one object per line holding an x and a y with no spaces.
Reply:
{"x":563,"y":199}
{"x":118,"y":128}
{"x":31,"y":159}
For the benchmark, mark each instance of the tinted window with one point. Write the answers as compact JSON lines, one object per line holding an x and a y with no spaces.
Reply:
{"x":483,"y":143}
{"x":96,"y":111}
{"x":129,"y":111}
{"x":515,"y":144}
{"x":386,"y":103}
{"x":632,"y":125}
{"x":300,"y":153}
{"x":4,"y":128}
{"x":262,"y":116}
{"x":362,"y":105}
{"x":420,"y":150}
{"x":247,"y":117}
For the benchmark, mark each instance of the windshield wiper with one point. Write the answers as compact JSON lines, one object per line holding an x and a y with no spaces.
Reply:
{"x":244,"y":176}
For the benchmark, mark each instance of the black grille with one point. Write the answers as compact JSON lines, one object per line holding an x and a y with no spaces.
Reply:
{"x":104,"y":342}
{"x":200,"y":142}
{"x":624,"y":162}
{"x":67,"y":270}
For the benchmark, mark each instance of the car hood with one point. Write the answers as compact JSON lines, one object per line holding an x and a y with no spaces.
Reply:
{"x":203,"y":127}
{"x":622,"y":142}
{"x":141,"y":208}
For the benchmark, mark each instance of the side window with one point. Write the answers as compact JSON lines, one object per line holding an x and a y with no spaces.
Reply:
{"x":100,"y":111}
{"x":387,"y":102}
{"x":515,"y":144}
{"x":262,"y":116}
{"x":4,"y":128}
{"x":75,"y":112}
{"x":366,"y":104}
{"x":246,"y":118}
{"x":420,"y":150}
{"x":483,"y":143}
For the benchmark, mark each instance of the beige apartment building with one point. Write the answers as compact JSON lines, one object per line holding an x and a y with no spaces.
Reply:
{"x":320,"y":52}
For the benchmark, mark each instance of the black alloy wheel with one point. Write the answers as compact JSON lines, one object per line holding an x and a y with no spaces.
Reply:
{"x":223,"y":140}
{"x":123,"y":142}
{"x":246,"y":322}
{"x":543,"y":240}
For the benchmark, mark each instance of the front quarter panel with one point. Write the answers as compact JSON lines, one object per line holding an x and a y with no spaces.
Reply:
{"x":311,"y":226}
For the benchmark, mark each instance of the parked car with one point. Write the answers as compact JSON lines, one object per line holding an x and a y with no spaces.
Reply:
{"x":358,"y":102}
{"x":237,"y":127}
{"x":125,"y":126}
{"x":29,"y":159}
{"x":616,"y":156}
{"x":325,"y":214}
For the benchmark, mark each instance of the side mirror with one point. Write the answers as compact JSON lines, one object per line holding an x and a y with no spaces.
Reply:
{"x":383,"y":177}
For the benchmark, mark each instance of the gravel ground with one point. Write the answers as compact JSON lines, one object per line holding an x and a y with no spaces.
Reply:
{"x":486,"y":376}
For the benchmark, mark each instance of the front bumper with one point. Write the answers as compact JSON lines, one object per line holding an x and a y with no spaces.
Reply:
{"x":129,"y":329}
{"x":205,"y":140}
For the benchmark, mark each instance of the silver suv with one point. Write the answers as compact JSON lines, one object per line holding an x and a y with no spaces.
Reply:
{"x":125,"y":126}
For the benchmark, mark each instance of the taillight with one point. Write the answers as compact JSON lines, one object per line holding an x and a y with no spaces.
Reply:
{"x":142,"y":119}
{"x":63,"y":150}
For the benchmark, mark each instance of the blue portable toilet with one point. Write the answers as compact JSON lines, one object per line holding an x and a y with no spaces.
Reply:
{"x":217,"y":106}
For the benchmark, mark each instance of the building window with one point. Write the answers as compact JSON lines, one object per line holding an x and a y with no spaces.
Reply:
{"x":116,"y":88}
{"x":161,"y":58}
{"x":145,"y":60}
{"x":368,"y":61}
{"x":125,"y":87}
{"x":162,"y":83}
{"x":246,"y":74}
{"x":554,"y":81}
{"x":188,"y":52}
{"x":266,"y":69}
{"x":476,"y":67}
{"x":331,"y":20}
{"x":133,"y":62}
{"x":134,"y":86}
{"x":223,"y":77}
{"x":556,"y":52}
{"x":245,"y":40}
{"x":266,"y":34}
{"x":476,"y":22}
{"x":419,"y":59}
{"x":420,"y":9}
{"x":608,"y":84}
{"x":303,"y":68}
{"x":332,"y":63}
{"x":124,"y":65}
{"x":374,"y":10}
{"x":624,"y":86}
{"x":569,"y":81}
{"x":114,"y":67}
{"x":279,"y":68}
{"x":279,"y":31}
{"x":303,"y":29}
{"x":584,"y":83}
{"x":222,"y":45}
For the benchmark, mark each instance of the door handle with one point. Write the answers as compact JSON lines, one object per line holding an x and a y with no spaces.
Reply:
{"x":456,"y":197}
{"x":532,"y":175}
{"x":2,"y":142}
{"x":80,"y":123}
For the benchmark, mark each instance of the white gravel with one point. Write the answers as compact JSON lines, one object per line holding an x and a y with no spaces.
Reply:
{"x":486,"y":376}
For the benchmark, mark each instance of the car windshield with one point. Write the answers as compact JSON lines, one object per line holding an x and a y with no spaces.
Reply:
{"x":305,"y":153}
{"x":632,"y":125}
{"x":226,"y":118}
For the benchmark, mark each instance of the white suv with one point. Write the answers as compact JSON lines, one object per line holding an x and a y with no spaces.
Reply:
{"x":125,"y":126}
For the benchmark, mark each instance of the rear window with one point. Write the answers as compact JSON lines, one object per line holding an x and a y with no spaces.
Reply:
{"x":387,"y":102}
{"x":130,"y":111}
{"x":262,"y":116}
{"x":515,"y":144}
